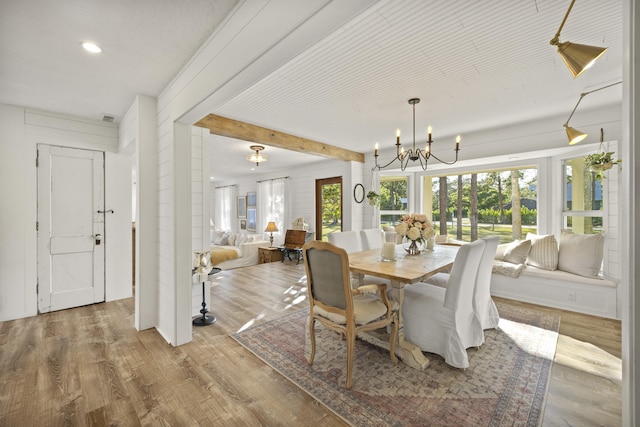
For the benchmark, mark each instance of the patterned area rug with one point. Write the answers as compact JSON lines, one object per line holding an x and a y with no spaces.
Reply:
{"x":505,"y":383}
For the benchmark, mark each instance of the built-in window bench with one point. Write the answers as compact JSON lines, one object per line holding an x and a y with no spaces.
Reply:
{"x":559,"y":289}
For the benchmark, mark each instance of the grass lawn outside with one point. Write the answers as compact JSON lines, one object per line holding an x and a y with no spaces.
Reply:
{"x":484,"y":230}
{"x":504,"y":231}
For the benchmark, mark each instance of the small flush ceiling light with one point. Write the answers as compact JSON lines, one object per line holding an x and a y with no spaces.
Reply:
{"x":577,"y":57}
{"x":574,"y":135}
{"x":91,"y":47}
{"x":257,"y":157}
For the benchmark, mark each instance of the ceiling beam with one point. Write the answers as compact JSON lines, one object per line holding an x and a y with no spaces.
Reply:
{"x":219,"y":125}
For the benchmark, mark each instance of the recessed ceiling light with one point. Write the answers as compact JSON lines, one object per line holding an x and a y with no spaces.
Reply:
{"x":91,"y":47}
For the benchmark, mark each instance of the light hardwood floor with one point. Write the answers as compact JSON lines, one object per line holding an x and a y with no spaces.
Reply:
{"x":89,"y":366}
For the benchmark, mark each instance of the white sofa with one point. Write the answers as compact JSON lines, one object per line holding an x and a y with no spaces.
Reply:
{"x":244,"y":245}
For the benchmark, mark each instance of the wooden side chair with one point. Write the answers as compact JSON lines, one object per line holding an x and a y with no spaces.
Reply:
{"x":293,"y":242}
{"x":338,"y":307}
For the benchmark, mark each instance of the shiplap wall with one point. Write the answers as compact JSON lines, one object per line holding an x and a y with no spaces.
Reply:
{"x":199,"y":210}
{"x":21,"y":130}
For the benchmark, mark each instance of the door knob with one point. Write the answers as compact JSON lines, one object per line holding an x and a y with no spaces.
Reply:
{"x":98,"y":238}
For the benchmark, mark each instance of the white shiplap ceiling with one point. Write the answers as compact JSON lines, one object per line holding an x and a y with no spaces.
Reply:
{"x":476,"y":64}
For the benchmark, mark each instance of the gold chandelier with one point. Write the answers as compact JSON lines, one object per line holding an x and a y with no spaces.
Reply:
{"x":414,"y":152}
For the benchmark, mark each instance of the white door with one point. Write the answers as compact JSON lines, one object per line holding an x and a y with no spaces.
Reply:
{"x":70,"y":227}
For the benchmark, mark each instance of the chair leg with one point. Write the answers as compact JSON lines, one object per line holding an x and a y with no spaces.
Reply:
{"x":393,"y":338}
{"x":312,"y":338}
{"x":351,"y":344}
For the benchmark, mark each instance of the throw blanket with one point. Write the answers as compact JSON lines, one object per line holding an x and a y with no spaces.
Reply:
{"x":507,"y":269}
{"x":222,"y":254}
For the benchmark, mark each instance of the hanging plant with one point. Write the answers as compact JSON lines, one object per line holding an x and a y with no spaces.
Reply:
{"x":373,"y":197}
{"x":600,"y":162}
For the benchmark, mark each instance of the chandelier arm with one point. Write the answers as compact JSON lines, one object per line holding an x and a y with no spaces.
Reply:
{"x":442,"y":161}
{"x":556,"y":39}
{"x":422,"y":155}
{"x":379,"y":167}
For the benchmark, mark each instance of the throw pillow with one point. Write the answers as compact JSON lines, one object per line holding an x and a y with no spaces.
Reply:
{"x":544,"y":251}
{"x":500,"y":251}
{"x":517,"y":251}
{"x":581,"y":254}
{"x":232,"y":239}
{"x":216,"y":236}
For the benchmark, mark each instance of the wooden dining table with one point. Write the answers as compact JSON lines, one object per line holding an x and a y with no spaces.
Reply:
{"x":403,"y":271}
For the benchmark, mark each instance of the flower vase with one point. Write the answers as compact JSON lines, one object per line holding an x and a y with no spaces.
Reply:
{"x":412,"y":247}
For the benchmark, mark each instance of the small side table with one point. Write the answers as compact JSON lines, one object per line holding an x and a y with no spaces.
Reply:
{"x":205,"y":320}
{"x":266,"y":255}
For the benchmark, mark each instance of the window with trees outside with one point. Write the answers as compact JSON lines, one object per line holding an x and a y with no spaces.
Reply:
{"x":474,"y":205}
{"x":583,"y":207}
{"x":394,"y":198}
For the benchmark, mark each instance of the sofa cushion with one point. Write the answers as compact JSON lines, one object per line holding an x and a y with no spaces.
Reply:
{"x":581,"y":253}
{"x":516,"y":252}
{"x":544,"y":251}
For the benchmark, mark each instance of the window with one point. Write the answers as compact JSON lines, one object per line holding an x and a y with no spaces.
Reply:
{"x":473,"y":205}
{"x":225,"y":199}
{"x":583,"y":207}
{"x":394,"y":198}
{"x":273,"y":205}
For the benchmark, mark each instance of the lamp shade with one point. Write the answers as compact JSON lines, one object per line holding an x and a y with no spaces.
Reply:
{"x":579,"y":57}
{"x":574,"y":135}
{"x":271,"y":227}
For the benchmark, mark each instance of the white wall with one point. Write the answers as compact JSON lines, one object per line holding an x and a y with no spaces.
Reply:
{"x":21,"y":130}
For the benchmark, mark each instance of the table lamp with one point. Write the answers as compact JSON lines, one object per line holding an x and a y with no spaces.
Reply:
{"x":271,"y":228}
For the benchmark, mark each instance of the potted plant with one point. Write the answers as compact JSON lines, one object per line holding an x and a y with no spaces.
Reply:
{"x":600,"y":162}
{"x":374,"y":198}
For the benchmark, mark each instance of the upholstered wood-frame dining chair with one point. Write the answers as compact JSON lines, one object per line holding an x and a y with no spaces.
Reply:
{"x":338,"y":307}
{"x":442,"y":320}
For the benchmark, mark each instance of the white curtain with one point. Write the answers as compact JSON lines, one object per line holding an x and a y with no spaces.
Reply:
{"x":225,"y":210}
{"x":273,"y":205}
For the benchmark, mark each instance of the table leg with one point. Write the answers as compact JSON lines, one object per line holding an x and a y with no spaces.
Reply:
{"x":358,"y":278}
{"x":405,"y":350}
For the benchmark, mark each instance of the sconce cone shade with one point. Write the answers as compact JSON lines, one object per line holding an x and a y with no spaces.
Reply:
{"x":579,"y":57}
{"x":574,"y":135}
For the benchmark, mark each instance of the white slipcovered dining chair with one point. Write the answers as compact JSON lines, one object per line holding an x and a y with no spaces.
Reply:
{"x":351,"y":242}
{"x":483,"y":304}
{"x":338,"y":307}
{"x":348,"y":240}
{"x":371,"y":238}
{"x":442,"y":321}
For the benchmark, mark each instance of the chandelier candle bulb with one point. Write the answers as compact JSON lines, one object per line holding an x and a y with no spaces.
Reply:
{"x":429,"y":133}
{"x":457,"y":142}
{"x":376,"y":150}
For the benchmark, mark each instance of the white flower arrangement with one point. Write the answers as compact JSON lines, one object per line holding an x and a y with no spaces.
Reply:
{"x":416,"y":227}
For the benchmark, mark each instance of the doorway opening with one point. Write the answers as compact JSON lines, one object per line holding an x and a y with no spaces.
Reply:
{"x":328,"y":207}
